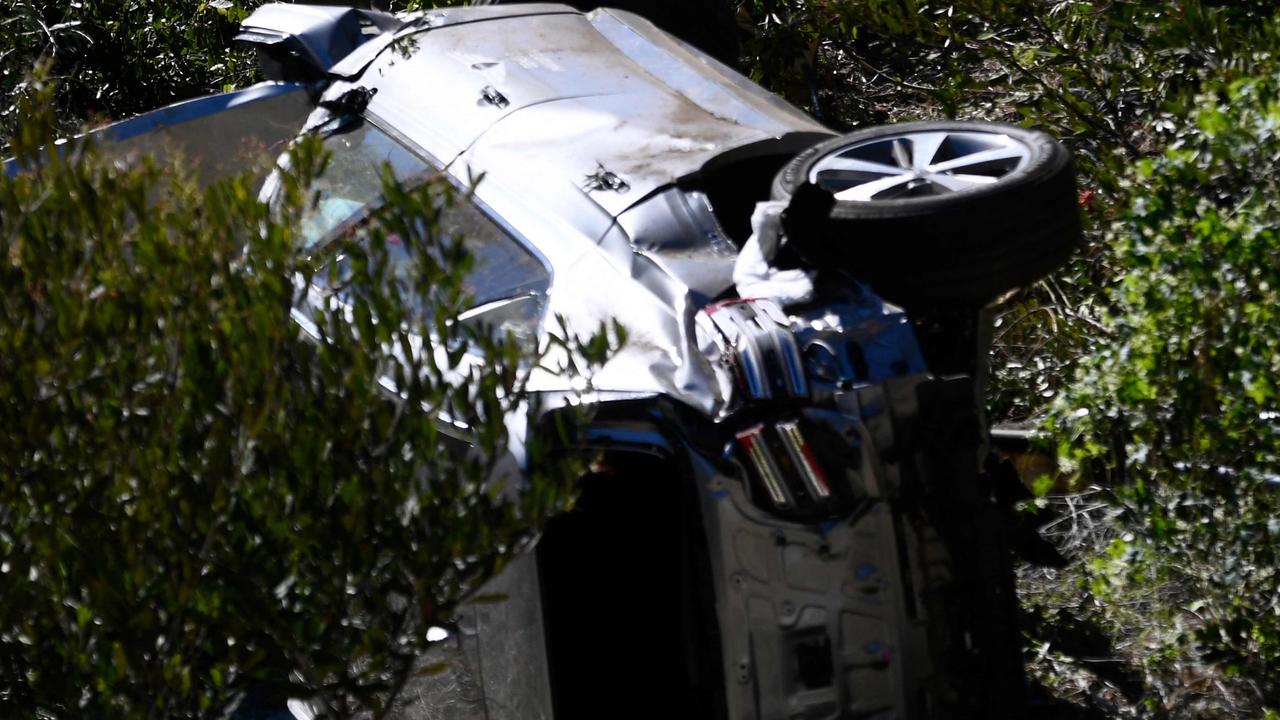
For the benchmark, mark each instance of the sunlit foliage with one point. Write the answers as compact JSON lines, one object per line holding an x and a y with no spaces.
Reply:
{"x":196,"y":496}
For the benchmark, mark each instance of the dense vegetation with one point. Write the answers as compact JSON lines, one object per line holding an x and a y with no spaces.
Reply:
{"x":1151,"y":361}
{"x":116,"y":59}
{"x":179,"y":461}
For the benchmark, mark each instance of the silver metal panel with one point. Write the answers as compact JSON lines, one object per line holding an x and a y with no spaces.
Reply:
{"x":579,"y":96}
{"x":571,"y":101}
{"x":496,"y":666}
{"x":713,"y":86}
{"x":598,"y":279}
{"x":571,"y":96}
{"x":642,"y":133}
{"x":677,"y":231}
{"x":662,"y":354}
{"x":443,"y":17}
{"x":431,"y":87}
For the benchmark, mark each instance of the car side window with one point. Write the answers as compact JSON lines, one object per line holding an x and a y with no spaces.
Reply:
{"x":352,"y":180}
{"x":506,"y":282}
{"x":502,"y":268}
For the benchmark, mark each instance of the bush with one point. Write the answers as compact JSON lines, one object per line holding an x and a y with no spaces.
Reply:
{"x":1169,"y":314}
{"x":197,"y":498}
{"x":115,"y":59}
{"x":1180,"y":409}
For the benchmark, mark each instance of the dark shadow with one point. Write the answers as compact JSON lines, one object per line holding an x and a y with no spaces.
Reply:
{"x":630,"y":622}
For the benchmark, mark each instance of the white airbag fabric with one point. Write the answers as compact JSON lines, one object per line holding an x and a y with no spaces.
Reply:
{"x":753,"y":275}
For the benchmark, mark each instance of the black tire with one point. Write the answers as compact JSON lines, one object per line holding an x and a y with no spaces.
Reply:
{"x":709,"y":25}
{"x":929,"y":250}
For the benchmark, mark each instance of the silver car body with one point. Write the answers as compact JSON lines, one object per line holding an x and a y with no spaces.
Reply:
{"x":586,"y":129}
{"x":580,"y":95}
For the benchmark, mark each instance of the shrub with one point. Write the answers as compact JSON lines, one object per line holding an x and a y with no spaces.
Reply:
{"x":1180,"y":408}
{"x":115,"y":59}
{"x":195,"y":496}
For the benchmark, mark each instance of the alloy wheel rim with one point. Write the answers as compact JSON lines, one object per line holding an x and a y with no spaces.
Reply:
{"x":920,"y":164}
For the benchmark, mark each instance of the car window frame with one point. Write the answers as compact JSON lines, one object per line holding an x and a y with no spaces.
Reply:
{"x":323,"y":250}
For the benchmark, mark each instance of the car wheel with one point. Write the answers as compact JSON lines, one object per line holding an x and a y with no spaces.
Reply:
{"x":934,"y":213}
{"x":709,"y":25}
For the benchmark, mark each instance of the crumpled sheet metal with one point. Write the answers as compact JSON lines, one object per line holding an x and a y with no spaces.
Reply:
{"x":584,"y":93}
{"x":663,"y":354}
{"x":322,"y":35}
{"x":599,"y":280}
{"x":576,"y":102}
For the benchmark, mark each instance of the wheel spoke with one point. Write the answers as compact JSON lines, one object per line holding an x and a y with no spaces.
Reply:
{"x":852,"y":164}
{"x":978,"y":158}
{"x":868,"y":191}
{"x":924,"y":147}
{"x":956,"y":183}
{"x":901,"y":149}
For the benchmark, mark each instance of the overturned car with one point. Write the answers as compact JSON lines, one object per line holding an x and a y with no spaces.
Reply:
{"x":797,"y":515}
